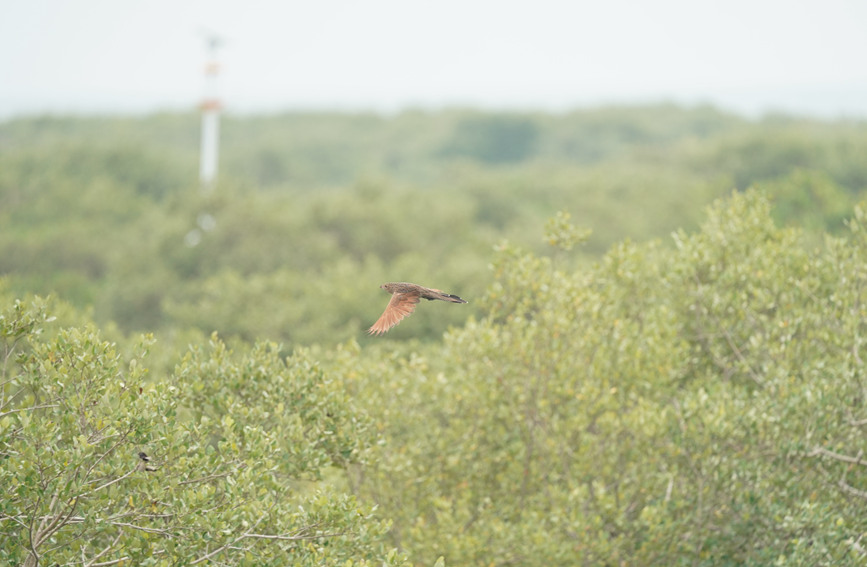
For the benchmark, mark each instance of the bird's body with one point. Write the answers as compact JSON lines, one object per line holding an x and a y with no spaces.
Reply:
{"x":404,"y":297}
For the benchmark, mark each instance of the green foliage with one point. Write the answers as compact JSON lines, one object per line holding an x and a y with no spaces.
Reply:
{"x":493,"y":139}
{"x":219,"y":463}
{"x":692,"y":401}
{"x":701,"y":405}
{"x":811,"y":199}
{"x":105,"y":212}
{"x":561,"y":233}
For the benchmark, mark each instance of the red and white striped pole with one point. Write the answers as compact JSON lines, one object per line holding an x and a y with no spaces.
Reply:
{"x":210,"y":119}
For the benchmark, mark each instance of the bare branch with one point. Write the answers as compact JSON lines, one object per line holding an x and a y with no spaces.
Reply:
{"x":844,"y":458}
{"x":160,"y":516}
{"x":140,"y":528}
{"x":204,"y":478}
{"x":107,"y":484}
{"x":213,"y":553}
{"x":846,"y":487}
{"x":740,"y":355}
{"x":7,"y":412}
{"x":856,"y":545}
{"x":228,"y":545}
{"x":47,"y":522}
{"x":103,"y":552}
{"x":8,"y":399}
{"x":112,"y":562}
{"x":293,"y":537}
{"x":68,"y":515}
{"x":297,"y":536}
{"x":71,"y":520}
{"x":14,"y":519}
{"x":106,"y":453}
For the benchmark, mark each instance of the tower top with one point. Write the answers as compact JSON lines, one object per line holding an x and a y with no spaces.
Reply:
{"x":213,"y":41}
{"x":210,"y":107}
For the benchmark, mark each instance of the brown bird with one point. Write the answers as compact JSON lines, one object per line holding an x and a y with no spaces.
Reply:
{"x":404,"y":297}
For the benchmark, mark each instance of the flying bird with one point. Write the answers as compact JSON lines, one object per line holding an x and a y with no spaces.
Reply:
{"x":404,"y":298}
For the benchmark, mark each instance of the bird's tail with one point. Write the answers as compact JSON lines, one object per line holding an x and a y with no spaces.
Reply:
{"x":452,"y":298}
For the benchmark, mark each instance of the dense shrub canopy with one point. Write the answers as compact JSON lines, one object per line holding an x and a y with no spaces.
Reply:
{"x":694,"y":405}
{"x":653,"y":395}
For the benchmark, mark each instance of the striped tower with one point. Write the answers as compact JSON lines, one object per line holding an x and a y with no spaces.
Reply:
{"x":210,"y":118}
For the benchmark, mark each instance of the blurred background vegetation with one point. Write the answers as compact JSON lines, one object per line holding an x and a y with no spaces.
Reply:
{"x":661,"y":362}
{"x":314,"y":211}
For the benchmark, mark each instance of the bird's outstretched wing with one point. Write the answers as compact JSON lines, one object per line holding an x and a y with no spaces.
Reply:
{"x":399,"y":306}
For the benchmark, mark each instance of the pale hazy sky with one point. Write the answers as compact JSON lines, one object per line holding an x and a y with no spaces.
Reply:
{"x":803,"y":56}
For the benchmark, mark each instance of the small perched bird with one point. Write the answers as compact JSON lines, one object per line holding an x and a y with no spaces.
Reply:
{"x":404,"y":297}
{"x":145,"y":459}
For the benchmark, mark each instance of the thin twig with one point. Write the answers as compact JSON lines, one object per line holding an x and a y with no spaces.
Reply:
{"x":204,"y":478}
{"x":738,"y":353}
{"x":14,"y":519}
{"x":104,"y":551}
{"x":228,"y":545}
{"x":292,"y":537}
{"x":7,"y":412}
{"x":48,"y":521}
{"x":846,"y":487}
{"x":107,"y":484}
{"x":140,"y":528}
{"x":107,"y":452}
{"x":845,"y":458}
{"x":112,"y":562}
{"x":71,"y":520}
